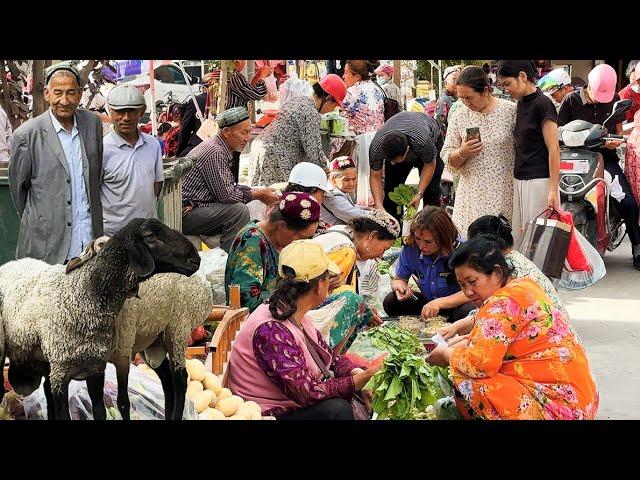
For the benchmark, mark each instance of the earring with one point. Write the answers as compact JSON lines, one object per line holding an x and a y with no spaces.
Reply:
{"x":368,"y":249}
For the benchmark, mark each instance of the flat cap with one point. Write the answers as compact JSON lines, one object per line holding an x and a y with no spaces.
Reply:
{"x":232,"y":117}
{"x":67,"y":65}
{"x":125,"y":96}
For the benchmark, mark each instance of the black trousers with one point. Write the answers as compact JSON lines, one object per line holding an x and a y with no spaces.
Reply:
{"x":331,"y":409}
{"x":395,"y":308}
{"x":628,"y":207}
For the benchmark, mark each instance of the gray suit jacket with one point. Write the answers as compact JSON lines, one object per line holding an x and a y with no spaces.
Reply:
{"x":41,"y":185}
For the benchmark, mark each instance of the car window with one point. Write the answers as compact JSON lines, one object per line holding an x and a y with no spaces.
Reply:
{"x":169,"y":74}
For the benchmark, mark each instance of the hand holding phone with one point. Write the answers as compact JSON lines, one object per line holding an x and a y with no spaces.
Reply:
{"x":473,"y":133}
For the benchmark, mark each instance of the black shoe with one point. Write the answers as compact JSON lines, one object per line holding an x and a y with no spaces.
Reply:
{"x":636,"y":262}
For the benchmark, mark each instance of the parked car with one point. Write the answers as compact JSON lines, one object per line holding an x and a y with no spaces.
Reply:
{"x":169,"y":83}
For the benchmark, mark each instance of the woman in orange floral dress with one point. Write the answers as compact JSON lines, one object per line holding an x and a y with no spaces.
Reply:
{"x":521,"y":360}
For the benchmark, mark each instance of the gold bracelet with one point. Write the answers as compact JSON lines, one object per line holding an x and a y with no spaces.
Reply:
{"x":460,"y":155}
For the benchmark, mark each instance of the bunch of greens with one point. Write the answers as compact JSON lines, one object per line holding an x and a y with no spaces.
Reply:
{"x":383,"y":267}
{"x":399,"y":242}
{"x":402,"y":195}
{"x":405,"y":387}
{"x":395,"y":339}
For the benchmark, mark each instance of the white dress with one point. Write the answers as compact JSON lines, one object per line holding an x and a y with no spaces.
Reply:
{"x":486,"y":180}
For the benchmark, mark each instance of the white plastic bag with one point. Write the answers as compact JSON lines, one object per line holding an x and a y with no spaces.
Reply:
{"x":212,"y":267}
{"x":294,"y":87}
{"x":145,"y":394}
{"x":272,"y":89}
{"x":579,"y":279}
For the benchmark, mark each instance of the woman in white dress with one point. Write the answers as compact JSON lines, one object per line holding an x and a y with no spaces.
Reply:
{"x":485,"y":165}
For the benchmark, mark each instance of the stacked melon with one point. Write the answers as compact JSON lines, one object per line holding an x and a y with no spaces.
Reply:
{"x":212,"y":401}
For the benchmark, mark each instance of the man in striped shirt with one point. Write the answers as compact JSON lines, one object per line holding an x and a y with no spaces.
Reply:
{"x":240,"y":91}
{"x":405,"y":141}
{"x":212,"y":202}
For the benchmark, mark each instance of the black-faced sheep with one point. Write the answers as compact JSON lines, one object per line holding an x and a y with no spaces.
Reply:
{"x":62,"y":325}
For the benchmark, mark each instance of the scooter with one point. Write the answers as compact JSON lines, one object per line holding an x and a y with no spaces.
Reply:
{"x":584,"y":189}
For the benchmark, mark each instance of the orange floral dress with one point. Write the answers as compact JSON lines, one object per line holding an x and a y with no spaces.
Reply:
{"x":523,"y":361}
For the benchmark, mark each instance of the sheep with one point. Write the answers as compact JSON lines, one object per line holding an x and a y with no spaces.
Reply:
{"x":60,"y":323}
{"x":156,"y":324}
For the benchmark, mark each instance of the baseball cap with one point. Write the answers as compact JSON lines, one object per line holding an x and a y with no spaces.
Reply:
{"x":122,"y":97}
{"x":602,"y":83}
{"x":384,"y":70}
{"x":309,"y":175}
{"x":307,"y":259}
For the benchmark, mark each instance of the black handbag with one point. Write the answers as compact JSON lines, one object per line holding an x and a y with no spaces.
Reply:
{"x":391,"y":106}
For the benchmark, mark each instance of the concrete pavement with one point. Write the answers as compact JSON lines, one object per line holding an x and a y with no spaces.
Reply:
{"x":607,"y":317}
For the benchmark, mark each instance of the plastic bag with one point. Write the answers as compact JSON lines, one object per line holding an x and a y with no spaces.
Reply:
{"x":213,"y":264}
{"x":294,"y":87}
{"x":446,"y":409}
{"x":272,"y":89}
{"x":576,"y":258}
{"x":576,"y":280}
{"x":145,"y":394}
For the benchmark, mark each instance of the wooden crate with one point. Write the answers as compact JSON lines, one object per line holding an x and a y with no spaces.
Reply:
{"x":218,"y":350}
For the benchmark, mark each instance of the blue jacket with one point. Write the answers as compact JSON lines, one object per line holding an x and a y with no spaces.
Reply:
{"x":434,"y":277}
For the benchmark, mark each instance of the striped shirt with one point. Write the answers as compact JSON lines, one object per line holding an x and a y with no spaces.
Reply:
{"x":240,"y":91}
{"x":210,"y":180}
{"x":421,"y":130}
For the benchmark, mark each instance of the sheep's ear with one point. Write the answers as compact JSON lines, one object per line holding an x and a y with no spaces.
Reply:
{"x":87,"y":255}
{"x":99,"y":243}
{"x":140,"y":260}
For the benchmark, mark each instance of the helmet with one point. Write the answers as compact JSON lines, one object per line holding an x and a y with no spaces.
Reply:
{"x":334,"y":86}
{"x":602,"y":83}
{"x":309,"y":175}
{"x":554,"y":80}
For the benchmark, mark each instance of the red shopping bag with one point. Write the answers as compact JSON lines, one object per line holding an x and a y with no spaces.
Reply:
{"x":576,"y":260}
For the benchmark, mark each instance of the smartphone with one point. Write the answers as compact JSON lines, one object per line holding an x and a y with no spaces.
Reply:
{"x":473,"y":133}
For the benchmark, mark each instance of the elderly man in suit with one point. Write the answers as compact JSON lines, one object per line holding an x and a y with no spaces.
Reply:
{"x":55,"y":173}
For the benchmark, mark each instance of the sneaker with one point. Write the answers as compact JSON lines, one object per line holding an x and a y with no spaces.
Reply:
{"x":636,"y":262}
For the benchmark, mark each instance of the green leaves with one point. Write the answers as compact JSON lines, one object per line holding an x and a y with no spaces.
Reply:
{"x":406,"y":385}
{"x":383,"y":267}
{"x":402,"y":195}
{"x":394,"y":339}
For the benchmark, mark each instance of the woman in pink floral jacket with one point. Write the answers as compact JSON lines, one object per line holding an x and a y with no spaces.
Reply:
{"x":632,"y":160}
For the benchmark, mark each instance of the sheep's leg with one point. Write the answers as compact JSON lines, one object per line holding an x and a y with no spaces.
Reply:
{"x":122,"y":373}
{"x":2,"y":376}
{"x":164,"y":372}
{"x":95,"y":386}
{"x":179,"y":391}
{"x":51,"y":412}
{"x":60,"y":393}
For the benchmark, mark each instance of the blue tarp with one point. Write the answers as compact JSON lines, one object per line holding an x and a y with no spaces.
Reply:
{"x":125,"y":68}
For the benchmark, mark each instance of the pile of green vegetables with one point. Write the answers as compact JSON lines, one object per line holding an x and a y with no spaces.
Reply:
{"x":406,"y":385}
{"x":402,"y":195}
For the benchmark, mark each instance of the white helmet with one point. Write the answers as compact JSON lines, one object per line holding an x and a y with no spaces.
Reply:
{"x":309,"y":175}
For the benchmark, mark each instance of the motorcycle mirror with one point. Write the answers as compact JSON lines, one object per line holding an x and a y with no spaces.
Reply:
{"x":620,"y":107}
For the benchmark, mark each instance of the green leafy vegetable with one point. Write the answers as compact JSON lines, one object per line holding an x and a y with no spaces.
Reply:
{"x":402,"y":195}
{"x":406,"y":385}
{"x":393,"y":339}
{"x":383,"y":267}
